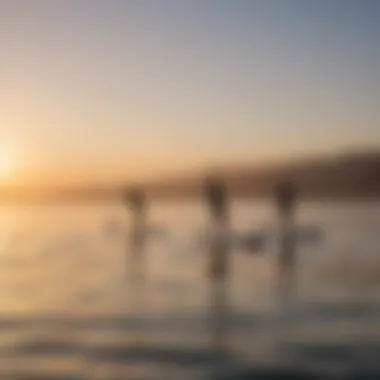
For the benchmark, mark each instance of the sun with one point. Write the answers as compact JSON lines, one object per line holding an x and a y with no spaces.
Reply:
{"x":5,"y":163}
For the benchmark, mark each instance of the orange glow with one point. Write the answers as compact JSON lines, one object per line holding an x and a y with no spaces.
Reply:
{"x":6,"y":163}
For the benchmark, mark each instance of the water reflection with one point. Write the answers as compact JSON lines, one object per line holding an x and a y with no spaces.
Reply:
{"x":41,"y":276}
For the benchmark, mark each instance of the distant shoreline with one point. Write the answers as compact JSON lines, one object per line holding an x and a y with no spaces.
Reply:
{"x":353,"y":177}
{"x":72,"y":199}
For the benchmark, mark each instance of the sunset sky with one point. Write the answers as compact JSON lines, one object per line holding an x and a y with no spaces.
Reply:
{"x":109,"y":90}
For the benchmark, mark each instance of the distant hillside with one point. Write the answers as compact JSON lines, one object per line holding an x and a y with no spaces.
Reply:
{"x":354,"y":176}
{"x":346,"y":176}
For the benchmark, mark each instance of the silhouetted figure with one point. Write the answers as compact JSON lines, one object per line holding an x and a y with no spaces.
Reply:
{"x":216,"y":196}
{"x":136,"y":201}
{"x":286,"y":199}
{"x":136,"y":262}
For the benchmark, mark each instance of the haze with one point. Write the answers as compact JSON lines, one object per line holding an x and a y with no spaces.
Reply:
{"x":114,"y":90}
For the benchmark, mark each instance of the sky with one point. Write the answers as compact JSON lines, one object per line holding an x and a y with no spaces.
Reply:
{"x":112,"y":90}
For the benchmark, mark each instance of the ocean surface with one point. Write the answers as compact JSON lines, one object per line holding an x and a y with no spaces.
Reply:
{"x":67,"y":310}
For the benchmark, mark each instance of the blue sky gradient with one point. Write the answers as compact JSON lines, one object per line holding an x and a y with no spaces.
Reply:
{"x":113,"y":89}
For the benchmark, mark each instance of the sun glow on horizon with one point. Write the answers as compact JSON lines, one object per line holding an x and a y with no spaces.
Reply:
{"x":6,"y":163}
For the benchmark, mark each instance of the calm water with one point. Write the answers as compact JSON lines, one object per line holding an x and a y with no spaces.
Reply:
{"x":68,"y":312}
